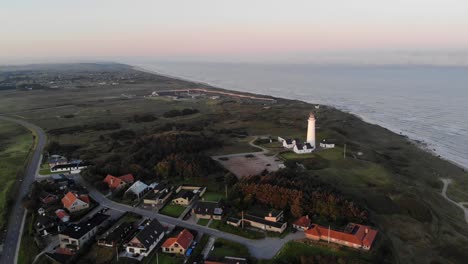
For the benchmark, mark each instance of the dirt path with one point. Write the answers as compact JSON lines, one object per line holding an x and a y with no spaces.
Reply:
{"x":444,"y":194}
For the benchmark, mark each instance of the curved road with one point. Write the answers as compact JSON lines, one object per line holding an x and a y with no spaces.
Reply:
{"x":261,"y":248}
{"x":17,"y":213}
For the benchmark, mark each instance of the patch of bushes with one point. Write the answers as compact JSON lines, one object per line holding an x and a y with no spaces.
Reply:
{"x":183,"y":112}
{"x":143,"y":118}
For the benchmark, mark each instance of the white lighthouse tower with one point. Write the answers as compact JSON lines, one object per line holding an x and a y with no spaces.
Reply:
{"x":311,"y":130}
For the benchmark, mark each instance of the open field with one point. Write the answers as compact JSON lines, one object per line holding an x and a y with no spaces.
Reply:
{"x":15,"y":144}
{"x":389,"y":175}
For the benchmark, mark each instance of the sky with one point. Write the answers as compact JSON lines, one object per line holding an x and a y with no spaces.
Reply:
{"x":240,"y":29}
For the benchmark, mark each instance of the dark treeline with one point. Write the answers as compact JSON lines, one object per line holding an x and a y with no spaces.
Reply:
{"x":81,"y":128}
{"x":151,"y":158}
{"x":301,"y":194}
{"x":175,"y":112}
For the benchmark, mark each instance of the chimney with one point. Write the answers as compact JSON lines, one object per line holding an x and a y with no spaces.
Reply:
{"x":307,"y":216}
{"x":367,"y":230}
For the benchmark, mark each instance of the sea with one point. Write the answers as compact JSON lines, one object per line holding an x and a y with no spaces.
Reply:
{"x":426,"y":103}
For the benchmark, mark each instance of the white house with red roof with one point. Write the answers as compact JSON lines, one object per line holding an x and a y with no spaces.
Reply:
{"x":116,"y":183}
{"x":74,"y":202}
{"x":179,"y":244}
{"x":302,"y":223}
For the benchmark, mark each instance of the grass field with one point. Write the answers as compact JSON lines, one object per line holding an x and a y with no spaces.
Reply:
{"x":28,"y":248}
{"x":203,"y":222}
{"x":224,"y":248}
{"x":290,"y":252}
{"x":15,"y":144}
{"x":212,"y":196}
{"x":221,"y":225}
{"x":173,"y":210}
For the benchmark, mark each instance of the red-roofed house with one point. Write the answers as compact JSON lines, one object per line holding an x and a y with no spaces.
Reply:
{"x":75,"y":203}
{"x":355,"y":235}
{"x":302,"y":223}
{"x":179,"y":244}
{"x":115,"y":183}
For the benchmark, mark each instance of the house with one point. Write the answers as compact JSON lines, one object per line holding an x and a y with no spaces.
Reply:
{"x":138,"y":188}
{"x":274,"y":216}
{"x":115,"y":237}
{"x":326,"y":144}
{"x":116,"y":183}
{"x":288,"y":142}
{"x":195,"y":189}
{"x":184,"y":197}
{"x":354,"y":235}
{"x":55,"y":160}
{"x":47,"y":198}
{"x":76,"y":235}
{"x":258,"y":222}
{"x":179,"y":244}
{"x":69,"y":167}
{"x":262,"y":223}
{"x":208,"y":210}
{"x":62,"y":215}
{"x":302,"y":223}
{"x":158,"y":197}
{"x":303,"y":148}
{"x":74,"y":202}
{"x":146,"y":240}
{"x":273,"y":222}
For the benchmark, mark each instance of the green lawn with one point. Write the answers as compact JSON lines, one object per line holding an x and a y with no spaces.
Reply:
{"x":28,"y":248}
{"x":45,"y":172}
{"x":203,"y":222}
{"x":173,"y":210}
{"x":15,"y":144}
{"x":221,"y":225}
{"x":224,"y":248}
{"x":291,"y":252}
{"x":293,"y":156}
{"x":212,"y":196}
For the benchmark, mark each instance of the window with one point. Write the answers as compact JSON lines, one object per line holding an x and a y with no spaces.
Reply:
{"x":132,"y":250}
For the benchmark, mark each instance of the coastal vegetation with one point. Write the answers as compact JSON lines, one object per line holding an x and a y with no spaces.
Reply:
{"x":383,"y":179}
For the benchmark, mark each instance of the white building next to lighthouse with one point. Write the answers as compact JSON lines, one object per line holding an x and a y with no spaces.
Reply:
{"x":296,"y":145}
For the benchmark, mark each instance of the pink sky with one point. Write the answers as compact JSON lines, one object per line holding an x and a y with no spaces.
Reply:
{"x":87,"y":28}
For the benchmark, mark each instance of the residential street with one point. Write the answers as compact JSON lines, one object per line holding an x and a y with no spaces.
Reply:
{"x":260,"y":248}
{"x":17,"y":213}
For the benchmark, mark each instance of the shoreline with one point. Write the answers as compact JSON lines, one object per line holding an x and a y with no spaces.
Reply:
{"x":419,"y":142}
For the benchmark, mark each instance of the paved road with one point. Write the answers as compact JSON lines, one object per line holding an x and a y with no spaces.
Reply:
{"x":251,"y":143}
{"x":461,"y":204}
{"x":261,"y":248}
{"x":17,"y":213}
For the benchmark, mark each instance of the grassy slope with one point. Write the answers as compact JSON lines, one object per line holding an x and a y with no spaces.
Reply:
{"x":15,"y":144}
{"x":395,"y":179}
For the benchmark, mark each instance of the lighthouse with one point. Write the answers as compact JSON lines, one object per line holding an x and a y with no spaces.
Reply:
{"x":311,"y":130}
